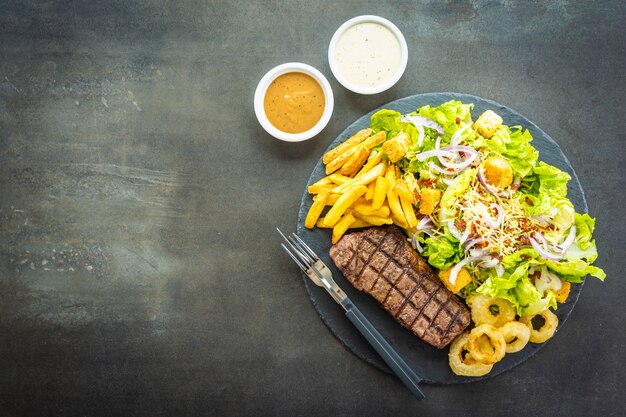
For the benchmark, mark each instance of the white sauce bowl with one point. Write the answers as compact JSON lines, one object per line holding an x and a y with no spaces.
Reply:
{"x":341,"y":77}
{"x":276,"y":72}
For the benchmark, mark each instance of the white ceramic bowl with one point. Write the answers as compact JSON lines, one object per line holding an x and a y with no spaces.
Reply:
{"x":265,"y":82}
{"x":404,"y":57}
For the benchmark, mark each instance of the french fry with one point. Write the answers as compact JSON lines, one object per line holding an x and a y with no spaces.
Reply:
{"x":343,"y":202}
{"x":373,"y":160}
{"x":409,"y":212}
{"x":321,"y":223}
{"x":364,"y":179}
{"x":355,"y":162}
{"x":357,"y":138}
{"x":375,"y":140}
{"x":402,"y":189}
{"x":332,"y":199}
{"x":318,"y":188}
{"x":370,"y":191}
{"x":338,"y":178}
{"x":316,"y":209}
{"x":340,"y":160}
{"x":367,"y":210}
{"x":374,"y":220}
{"x":396,"y":208}
{"x":342,"y":226}
{"x":359,"y":223}
{"x":380,"y":192}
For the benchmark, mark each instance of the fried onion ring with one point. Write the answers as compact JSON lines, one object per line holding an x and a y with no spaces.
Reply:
{"x":494,"y":311}
{"x":487,"y":353}
{"x":461,"y":361}
{"x":516,"y":336}
{"x":546,"y":331}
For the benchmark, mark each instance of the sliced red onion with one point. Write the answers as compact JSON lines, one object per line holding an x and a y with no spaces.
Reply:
{"x":454,"y":140}
{"x":424,"y":121}
{"x":461,"y":237}
{"x":472,"y":242}
{"x":544,"y":252}
{"x":489,"y":262}
{"x":459,"y":165}
{"x":494,"y":224}
{"x":563,"y":247}
{"x":454,"y":272}
{"x":500,"y":211}
{"x":420,"y":137}
{"x":447,"y":181}
{"x":444,"y":171}
{"x":541,"y":239}
{"x":464,"y":163}
{"x":460,"y":148}
{"x":483,"y":182}
{"x":416,"y":245}
{"x":477,"y":253}
{"x":499,"y":270}
{"x":425,"y":223}
{"x":542,"y":219}
{"x":436,"y":152}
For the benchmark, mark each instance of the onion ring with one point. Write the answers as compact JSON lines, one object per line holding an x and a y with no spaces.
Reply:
{"x":462,"y":362}
{"x":495,"y":349}
{"x":546,"y":331}
{"x":516,"y":336}
{"x":483,"y":312}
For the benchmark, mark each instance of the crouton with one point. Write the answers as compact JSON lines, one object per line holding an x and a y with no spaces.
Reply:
{"x":396,"y":147}
{"x":488,"y":123}
{"x":563,"y":292}
{"x":429,"y":198}
{"x":462,"y":279}
{"x":498,"y":172}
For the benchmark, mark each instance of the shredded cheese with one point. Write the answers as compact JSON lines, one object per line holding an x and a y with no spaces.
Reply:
{"x":475,"y":211}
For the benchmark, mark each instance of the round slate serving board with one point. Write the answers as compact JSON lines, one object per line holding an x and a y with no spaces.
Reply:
{"x":427,"y":361}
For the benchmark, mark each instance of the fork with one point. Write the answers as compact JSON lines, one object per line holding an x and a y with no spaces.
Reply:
{"x":314,"y":268}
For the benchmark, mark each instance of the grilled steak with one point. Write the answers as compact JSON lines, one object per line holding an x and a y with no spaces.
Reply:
{"x":381,"y":262}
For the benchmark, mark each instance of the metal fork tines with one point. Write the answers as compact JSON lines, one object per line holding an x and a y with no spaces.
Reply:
{"x":312,"y":265}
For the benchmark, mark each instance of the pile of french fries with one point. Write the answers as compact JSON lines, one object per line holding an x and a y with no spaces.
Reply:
{"x":361,"y":189}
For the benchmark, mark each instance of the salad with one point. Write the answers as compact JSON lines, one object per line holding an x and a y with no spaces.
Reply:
{"x":494,"y":217}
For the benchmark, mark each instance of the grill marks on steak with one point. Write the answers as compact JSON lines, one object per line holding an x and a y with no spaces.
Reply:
{"x":381,"y":262}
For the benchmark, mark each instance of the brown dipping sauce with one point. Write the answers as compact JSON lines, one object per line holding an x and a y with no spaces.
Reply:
{"x":294,"y":102}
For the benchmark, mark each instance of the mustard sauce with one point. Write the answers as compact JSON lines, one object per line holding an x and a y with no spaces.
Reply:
{"x":294,"y":102}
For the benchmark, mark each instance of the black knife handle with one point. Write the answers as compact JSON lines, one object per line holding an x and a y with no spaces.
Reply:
{"x":384,"y":349}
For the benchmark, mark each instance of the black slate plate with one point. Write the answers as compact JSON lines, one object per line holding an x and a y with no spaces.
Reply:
{"x":426,"y":360}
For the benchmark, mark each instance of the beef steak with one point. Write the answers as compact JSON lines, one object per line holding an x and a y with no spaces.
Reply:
{"x":381,"y":262}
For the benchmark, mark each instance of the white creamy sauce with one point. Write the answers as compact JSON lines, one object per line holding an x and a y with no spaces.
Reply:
{"x":368,"y":54}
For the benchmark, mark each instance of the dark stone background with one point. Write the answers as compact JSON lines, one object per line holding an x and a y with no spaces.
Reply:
{"x":140,"y":273}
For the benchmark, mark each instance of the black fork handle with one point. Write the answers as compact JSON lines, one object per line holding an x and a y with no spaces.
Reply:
{"x":384,"y":349}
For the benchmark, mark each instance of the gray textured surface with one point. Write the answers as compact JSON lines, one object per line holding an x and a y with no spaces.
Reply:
{"x":140,"y":272}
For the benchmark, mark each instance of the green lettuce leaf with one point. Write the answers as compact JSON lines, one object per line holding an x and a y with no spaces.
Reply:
{"x":573,"y":269}
{"x":442,"y":253}
{"x":585,"y":225}
{"x":387,"y":120}
{"x":517,"y":288}
{"x":446,"y":115}
{"x":457,"y":187}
